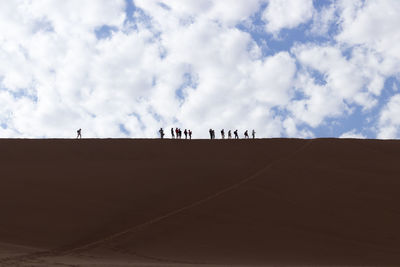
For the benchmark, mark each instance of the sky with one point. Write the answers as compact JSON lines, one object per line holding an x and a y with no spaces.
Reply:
{"x":123,"y":68}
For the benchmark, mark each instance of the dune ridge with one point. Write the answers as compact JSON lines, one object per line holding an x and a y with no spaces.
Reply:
{"x":149,"y":202}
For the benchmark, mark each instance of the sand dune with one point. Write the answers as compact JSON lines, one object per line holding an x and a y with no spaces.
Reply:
{"x":115,"y":202}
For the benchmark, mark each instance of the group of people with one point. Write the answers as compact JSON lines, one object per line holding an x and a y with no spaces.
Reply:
{"x":177,"y":132}
{"x":246,"y":134}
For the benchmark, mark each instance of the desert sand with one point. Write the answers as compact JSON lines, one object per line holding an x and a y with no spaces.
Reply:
{"x":149,"y":202}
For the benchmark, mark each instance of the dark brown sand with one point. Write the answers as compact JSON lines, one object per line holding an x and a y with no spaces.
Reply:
{"x":113,"y":202}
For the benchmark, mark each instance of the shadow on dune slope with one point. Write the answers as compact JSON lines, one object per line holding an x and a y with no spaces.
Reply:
{"x":272,"y":201}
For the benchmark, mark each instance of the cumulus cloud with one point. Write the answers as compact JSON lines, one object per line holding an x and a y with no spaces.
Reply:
{"x":332,"y":83}
{"x":49,"y":48}
{"x":389,"y":119}
{"x":323,"y":20}
{"x":369,"y":28}
{"x":372,"y":25}
{"x":281,"y":14}
{"x":187,"y":64}
{"x":169,"y":14}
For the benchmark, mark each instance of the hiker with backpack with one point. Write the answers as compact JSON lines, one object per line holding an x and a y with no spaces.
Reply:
{"x":246,"y":135}
{"x":236,"y":134}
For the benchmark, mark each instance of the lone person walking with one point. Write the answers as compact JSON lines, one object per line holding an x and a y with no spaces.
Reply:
{"x":190,"y":134}
{"x":186,"y":133}
{"x":79,"y":135}
{"x":223,"y":134}
{"x":229,"y":134}
{"x":253,"y":133}
{"x":236,"y":134}
{"x":172,"y":133}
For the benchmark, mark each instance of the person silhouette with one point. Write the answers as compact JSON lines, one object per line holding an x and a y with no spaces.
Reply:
{"x":229,"y":134}
{"x":246,"y":134}
{"x":223,"y":134}
{"x":161,"y":131}
{"x":79,"y":133}
{"x":236,"y":134}
{"x":172,"y":133}
{"x":186,"y":133}
{"x":211,"y":133}
{"x":253,"y":133}
{"x":190,"y":134}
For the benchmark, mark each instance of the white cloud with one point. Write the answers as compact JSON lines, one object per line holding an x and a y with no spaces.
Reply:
{"x":281,"y":14}
{"x":77,"y":17}
{"x":47,"y":49}
{"x":323,"y":20}
{"x":242,"y":96}
{"x":133,"y":78}
{"x":373,"y":25}
{"x":389,"y":119}
{"x":226,"y":12}
{"x":234,"y":87}
{"x":352,"y":134}
{"x":339,"y":83}
{"x":319,"y":102}
{"x":292,"y":130}
{"x":186,"y":64}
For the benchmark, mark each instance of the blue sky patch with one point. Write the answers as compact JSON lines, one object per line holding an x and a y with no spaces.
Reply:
{"x":105,"y":31}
